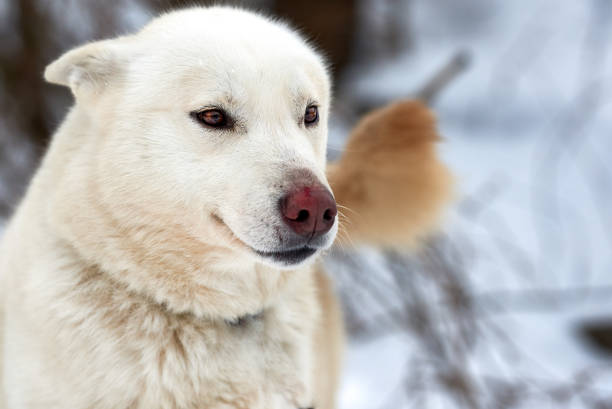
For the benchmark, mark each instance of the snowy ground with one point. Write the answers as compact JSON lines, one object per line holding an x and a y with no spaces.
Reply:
{"x":545,"y":329}
{"x":528,"y":133}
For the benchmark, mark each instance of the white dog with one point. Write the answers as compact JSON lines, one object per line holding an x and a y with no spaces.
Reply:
{"x":162,"y":256}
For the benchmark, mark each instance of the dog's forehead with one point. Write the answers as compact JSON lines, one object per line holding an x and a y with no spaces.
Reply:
{"x":208,"y":50}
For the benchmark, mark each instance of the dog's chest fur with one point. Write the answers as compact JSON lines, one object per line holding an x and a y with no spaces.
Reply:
{"x":141,"y":355}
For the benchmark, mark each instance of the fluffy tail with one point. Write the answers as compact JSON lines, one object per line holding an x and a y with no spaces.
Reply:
{"x":389,"y":183}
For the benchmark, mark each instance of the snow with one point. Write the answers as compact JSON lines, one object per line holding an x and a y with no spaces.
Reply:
{"x":533,"y":175}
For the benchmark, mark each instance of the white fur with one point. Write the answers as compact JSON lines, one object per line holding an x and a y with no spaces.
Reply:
{"x":133,"y":246}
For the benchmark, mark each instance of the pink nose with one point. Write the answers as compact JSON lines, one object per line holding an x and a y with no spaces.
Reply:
{"x":309,"y":211}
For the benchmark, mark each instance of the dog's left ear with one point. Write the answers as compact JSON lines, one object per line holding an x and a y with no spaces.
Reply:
{"x":90,"y":69}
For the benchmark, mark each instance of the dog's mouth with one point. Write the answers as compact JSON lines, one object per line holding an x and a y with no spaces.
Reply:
{"x":288,"y":257}
{"x":285,"y":257}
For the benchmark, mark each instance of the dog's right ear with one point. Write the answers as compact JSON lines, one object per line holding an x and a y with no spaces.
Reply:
{"x":89,"y":69}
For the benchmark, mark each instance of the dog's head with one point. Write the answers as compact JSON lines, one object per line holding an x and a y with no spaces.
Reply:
{"x":213,"y":120}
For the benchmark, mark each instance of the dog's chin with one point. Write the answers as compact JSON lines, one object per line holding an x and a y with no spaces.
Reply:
{"x":278,"y":258}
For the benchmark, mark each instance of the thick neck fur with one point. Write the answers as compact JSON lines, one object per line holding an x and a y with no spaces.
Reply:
{"x":167,"y":359}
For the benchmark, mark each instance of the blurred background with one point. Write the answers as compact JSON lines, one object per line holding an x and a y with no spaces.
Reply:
{"x":510,"y":306}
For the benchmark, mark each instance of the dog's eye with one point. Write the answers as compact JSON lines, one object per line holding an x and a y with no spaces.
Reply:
{"x":311,"y":116}
{"x":215,"y":118}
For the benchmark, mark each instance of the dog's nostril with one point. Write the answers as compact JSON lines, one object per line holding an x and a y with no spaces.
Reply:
{"x":327,"y":216}
{"x":302,"y":216}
